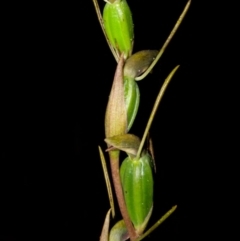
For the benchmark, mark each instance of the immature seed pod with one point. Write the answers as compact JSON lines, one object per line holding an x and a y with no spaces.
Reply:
{"x":137,"y":182}
{"x":117,"y":19}
{"x":132,"y":98}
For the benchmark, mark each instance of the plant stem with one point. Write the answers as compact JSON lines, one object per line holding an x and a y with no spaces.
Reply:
{"x":114,"y":162}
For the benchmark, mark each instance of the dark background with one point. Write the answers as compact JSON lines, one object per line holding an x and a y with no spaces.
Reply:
{"x":59,"y":73}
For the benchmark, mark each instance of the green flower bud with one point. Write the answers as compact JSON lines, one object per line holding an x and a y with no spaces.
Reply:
{"x":137,"y":182}
{"x":117,"y":20}
{"x":139,"y":62}
{"x":135,"y":65}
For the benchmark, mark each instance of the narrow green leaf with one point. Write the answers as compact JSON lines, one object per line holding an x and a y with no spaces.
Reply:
{"x":107,"y":180}
{"x":154,"y":110}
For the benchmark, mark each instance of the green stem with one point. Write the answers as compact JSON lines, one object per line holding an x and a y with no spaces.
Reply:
{"x":114,"y":163}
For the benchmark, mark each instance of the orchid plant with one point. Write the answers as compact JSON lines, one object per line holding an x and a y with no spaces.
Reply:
{"x":132,"y":177}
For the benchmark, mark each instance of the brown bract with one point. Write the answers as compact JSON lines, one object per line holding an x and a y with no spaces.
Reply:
{"x":116,"y":114}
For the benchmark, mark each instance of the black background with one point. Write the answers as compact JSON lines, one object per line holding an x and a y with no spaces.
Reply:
{"x":59,"y":73}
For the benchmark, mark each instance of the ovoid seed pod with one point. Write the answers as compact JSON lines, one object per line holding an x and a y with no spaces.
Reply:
{"x":137,"y":182}
{"x":132,"y":98}
{"x":117,"y":20}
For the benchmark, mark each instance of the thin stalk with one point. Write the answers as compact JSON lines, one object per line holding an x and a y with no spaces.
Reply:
{"x":154,"y":110}
{"x":114,"y":162}
{"x":100,"y":19}
{"x":107,"y":180}
{"x":175,"y":28}
{"x":160,"y":221}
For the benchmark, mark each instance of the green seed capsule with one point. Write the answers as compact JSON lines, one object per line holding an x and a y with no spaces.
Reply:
{"x":137,"y":182}
{"x":118,"y":24}
{"x":132,"y":98}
